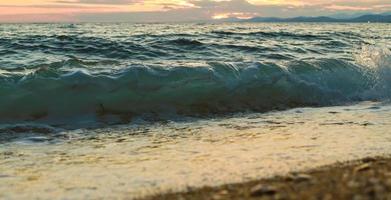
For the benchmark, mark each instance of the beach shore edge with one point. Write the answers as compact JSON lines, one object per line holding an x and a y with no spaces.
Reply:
{"x":368,"y":178}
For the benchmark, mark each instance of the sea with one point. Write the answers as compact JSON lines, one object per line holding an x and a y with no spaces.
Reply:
{"x":124,"y":110}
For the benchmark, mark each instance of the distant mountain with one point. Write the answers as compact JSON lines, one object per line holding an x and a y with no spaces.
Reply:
{"x":349,"y":15}
{"x":377,"y":18}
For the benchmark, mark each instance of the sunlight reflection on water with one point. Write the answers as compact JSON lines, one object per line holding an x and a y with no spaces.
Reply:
{"x":134,"y":160}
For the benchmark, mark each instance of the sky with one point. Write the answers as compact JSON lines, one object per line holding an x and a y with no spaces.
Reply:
{"x":177,"y":10}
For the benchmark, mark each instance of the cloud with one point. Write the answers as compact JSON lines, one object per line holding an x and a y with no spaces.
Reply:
{"x":193,"y":10}
{"x":104,"y":2}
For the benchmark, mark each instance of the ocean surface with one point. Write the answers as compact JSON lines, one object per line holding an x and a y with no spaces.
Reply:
{"x":125,"y":110}
{"x":117,"y":72}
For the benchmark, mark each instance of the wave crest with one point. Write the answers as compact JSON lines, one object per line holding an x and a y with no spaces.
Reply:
{"x":216,"y":88}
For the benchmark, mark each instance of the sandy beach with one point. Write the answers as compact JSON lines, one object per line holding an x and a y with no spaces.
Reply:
{"x":367,"y":178}
{"x":140,"y":160}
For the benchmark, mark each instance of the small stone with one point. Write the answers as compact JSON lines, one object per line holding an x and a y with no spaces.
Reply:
{"x":363,"y":167}
{"x":353,"y":184}
{"x":327,"y":197}
{"x":345,"y":176}
{"x":261,"y":190}
{"x":120,"y":140}
{"x":299,"y":177}
{"x":303,"y":178}
{"x":216,"y":197}
{"x":220,"y":195}
{"x":369,"y":159}
{"x":181,"y":197}
{"x":223,"y":192}
{"x":99,"y":146}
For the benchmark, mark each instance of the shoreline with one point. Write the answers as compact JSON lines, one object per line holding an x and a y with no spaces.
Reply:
{"x":368,"y":178}
{"x":134,"y":162}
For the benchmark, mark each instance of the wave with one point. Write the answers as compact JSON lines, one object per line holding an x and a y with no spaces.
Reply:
{"x":79,"y":45}
{"x":279,"y":34}
{"x":31,"y":133}
{"x":218,"y":87}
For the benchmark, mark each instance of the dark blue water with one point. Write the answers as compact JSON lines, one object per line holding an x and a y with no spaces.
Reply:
{"x":117,"y":72}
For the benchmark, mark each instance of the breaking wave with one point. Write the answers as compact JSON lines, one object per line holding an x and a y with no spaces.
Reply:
{"x":218,"y":87}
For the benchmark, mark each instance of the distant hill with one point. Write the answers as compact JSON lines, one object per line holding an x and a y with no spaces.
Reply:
{"x":348,"y":15}
{"x":377,"y":18}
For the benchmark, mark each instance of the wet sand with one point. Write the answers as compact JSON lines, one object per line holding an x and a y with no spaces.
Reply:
{"x":139,"y":160}
{"x":368,"y":178}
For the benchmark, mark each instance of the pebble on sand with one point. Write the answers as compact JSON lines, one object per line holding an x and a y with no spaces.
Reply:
{"x":261,"y":190}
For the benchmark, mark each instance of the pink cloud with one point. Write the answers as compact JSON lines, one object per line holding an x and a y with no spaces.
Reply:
{"x":178,"y":10}
{"x":350,"y":8}
{"x":26,"y":18}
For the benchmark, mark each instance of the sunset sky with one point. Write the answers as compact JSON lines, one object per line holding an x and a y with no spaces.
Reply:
{"x":176,"y":10}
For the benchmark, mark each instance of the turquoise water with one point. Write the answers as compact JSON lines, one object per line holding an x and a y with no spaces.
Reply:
{"x":115,"y":73}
